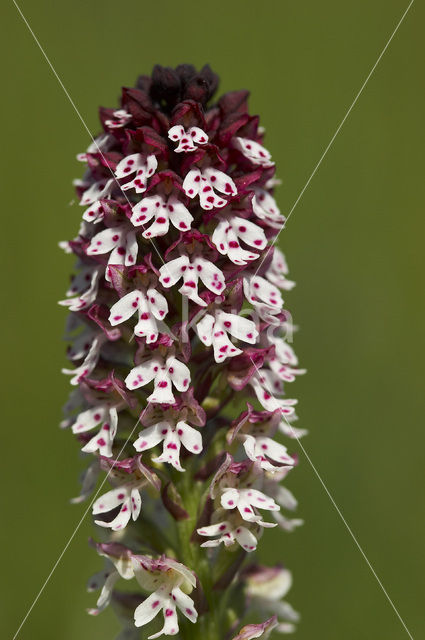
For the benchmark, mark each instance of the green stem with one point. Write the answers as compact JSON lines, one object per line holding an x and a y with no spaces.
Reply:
{"x":208,"y":627}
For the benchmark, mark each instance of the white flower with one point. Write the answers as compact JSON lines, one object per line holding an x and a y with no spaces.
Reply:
{"x":244,"y":500}
{"x":96,"y":191}
{"x":115,"y":567}
{"x":103,"y":440}
{"x":284,"y":371}
{"x":265,"y":298}
{"x":170,"y":582}
{"x":267,"y":385}
{"x":277,"y":271}
{"x":289,"y":430}
{"x":144,"y":166}
{"x":228,"y":535}
{"x":264,"y":207}
{"x":127,"y":497}
{"x":229,"y":231}
{"x":119,"y":241}
{"x":281,"y":364}
{"x":164,"y":373}
{"x":283,"y":497}
{"x":265,"y":588}
{"x":260,"y":448}
{"x":89,"y":362}
{"x":93,"y":196}
{"x":150,"y":306}
{"x":187,"y":139}
{"x":121,"y":117}
{"x":202,"y":183}
{"x":284,"y":352}
{"x":173,"y":437}
{"x":86,"y":285}
{"x":102,"y":143}
{"x":213,"y":330}
{"x":254,"y":151}
{"x":191,"y":272}
{"x":164,"y":210}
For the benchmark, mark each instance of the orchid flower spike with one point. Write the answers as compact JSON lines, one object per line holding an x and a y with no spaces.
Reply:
{"x":176,"y":317}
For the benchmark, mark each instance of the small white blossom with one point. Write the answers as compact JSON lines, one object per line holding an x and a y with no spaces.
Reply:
{"x":265,"y":298}
{"x":265,"y":588}
{"x":120,"y":242}
{"x":261,"y":448}
{"x":96,"y":191}
{"x":229,"y":231}
{"x":91,"y":418}
{"x":264,"y":206}
{"x":191,"y":271}
{"x":151,"y":307}
{"x":164,"y":372}
{"x":144,"y":167}
{"x":115,"y":568}
{"x":254,"y":151}
{"x":244,"y":500}
{"x":267,"y":385}
{"x":127,"y":497}
{"x":170,"y":583}
{"x":278,"y":270}
{"x":203,"y":182}
{"x":172,"y":437}
{"x":187,"y":139}
{"x":100,"y":144}
{"x":165,"y":210}
{"x":213,"y":330}
{"x":228,"y":534}
{"x":86,"y":285}
{"x":89,"y":362}
{"x":120,"y":119}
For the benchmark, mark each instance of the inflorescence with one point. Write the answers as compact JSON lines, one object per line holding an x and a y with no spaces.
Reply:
{"x":177,"y":340}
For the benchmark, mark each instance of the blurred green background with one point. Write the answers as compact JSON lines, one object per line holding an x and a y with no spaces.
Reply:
{"x":354,"y":246}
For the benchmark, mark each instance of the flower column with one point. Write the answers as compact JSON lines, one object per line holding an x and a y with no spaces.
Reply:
{"x":176,"y":326}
